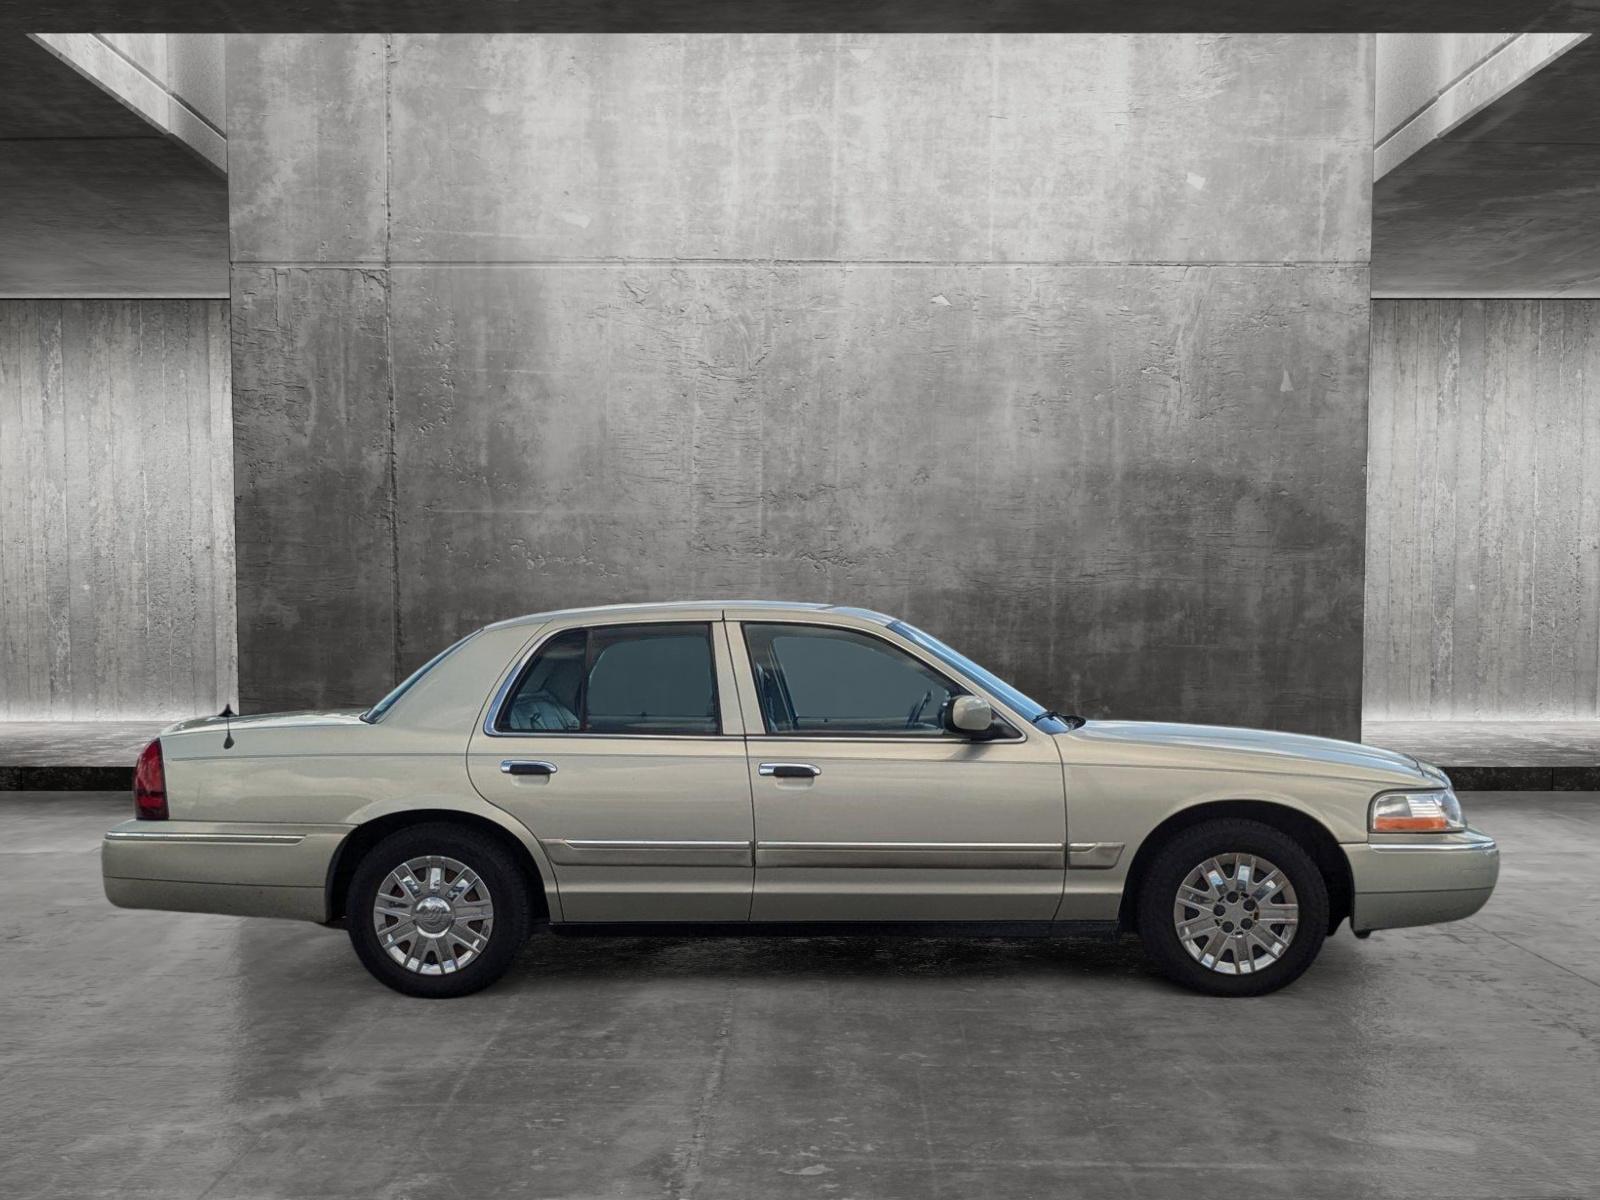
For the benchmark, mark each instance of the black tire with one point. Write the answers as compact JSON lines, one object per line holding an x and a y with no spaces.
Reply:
{"x":507,"y":892}
{"x":1222,"y":840}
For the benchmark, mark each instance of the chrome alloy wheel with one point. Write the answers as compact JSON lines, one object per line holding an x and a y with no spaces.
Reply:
{"x":433,"y":915}
{"x":1235,"y":914}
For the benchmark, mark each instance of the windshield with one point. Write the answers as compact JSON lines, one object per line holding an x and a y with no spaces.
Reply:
{"x":375,"y":713}
{"x":984,"y":678}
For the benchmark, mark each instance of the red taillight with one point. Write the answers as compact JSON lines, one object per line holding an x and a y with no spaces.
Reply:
{"x":150,"y":785}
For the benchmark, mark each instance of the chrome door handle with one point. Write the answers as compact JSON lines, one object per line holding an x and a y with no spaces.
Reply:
{"x":524,"y":766}
{"x":789,"y":770}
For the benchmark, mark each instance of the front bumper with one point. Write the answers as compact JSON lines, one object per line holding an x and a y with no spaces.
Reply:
{"x":250,"y":870}
{"x":1420,"y":880}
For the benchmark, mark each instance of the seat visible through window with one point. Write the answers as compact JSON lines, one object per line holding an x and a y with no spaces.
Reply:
{"x":817,"y":679}
{"x":621,"y":679}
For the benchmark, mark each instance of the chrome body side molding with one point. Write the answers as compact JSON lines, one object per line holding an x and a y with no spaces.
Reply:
{"x":1480,"y":846}
{"x":1094,"y":856}
{"x":939,"y":855}
{"x":608,"y":852}
{"x":206,"y":839}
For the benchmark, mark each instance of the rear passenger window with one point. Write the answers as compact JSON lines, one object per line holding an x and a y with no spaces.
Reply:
{"x":626,"y":679}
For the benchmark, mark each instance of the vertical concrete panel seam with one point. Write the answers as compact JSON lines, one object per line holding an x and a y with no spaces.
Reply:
{"x":388,"y":334}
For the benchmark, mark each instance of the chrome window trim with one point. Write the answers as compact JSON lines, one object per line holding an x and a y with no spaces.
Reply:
{"x":962,"y":687}
{"x":632,"y":737}
{"x":922,"y":739}
{"x":502,"y":694}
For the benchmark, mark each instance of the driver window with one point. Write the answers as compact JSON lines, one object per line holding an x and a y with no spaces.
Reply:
{"x":628,"y":679}
{"x":816,"y":680}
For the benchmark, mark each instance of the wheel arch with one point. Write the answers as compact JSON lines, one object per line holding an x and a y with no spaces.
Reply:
{"x":1311,"y":833}
{"x":342,"y":867}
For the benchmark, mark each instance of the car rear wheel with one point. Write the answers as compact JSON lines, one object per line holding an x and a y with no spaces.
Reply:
{"x":1233,"y":908}
{"x":437,"y":910}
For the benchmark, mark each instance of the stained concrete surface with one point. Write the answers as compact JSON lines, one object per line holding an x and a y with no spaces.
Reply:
{"x":75,"y":743}
{"x":116,"y":509}
{"x":165,"y":1055}
{"x":1483,"y":520}
{"x":313,"y":468}
{"x":838,"y":435}
{"x":652,"y":317}
{"x":1504,"y":204}
{"x":1490,"y":743}
{"x":173,"y":80}
{"x":931,"y":150}
{"x":95,"y":200}
{"x":43,"y":97}
{"x":125,"y":217}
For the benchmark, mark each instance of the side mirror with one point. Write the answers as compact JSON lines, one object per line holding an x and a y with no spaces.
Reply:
{"x":969,"y":715}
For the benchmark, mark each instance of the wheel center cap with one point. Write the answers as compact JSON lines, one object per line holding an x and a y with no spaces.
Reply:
{"x":433,"y":914}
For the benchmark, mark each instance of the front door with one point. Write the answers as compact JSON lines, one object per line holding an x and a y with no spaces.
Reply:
{"x":866,"y":808}
{"x":621,"y":748}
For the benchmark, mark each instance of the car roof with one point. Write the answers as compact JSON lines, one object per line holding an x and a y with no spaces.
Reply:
{"x":668,"y":607}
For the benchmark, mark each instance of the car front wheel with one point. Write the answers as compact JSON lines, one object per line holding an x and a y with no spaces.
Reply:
{"x":1233,"y":907}
{"x":437,"y":910}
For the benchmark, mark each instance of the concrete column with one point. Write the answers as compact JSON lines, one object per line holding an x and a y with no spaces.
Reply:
{"x":1055,"y":345}
{"x":116,"y":510}
{"x":1483,"y":560}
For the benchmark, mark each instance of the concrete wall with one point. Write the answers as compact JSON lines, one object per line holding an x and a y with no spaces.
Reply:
{"x":96,"y":199}
{"x":1054,"y":345}
{"x":173,"y":80}
{"x":116,"y":509}
{"x":1429,"y":83}
{"x":1501,"y":197}
{"x":1483,"y":552}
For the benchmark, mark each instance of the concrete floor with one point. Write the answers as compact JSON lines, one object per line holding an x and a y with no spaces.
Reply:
{"x":172,"y":1056}
{"x":1490,"y":743}
{"x":75,"y":743}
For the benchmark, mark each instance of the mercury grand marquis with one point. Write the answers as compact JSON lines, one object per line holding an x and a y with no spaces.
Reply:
{"x":753,"y":767}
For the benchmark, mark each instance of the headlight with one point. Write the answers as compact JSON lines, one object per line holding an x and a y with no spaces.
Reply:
{"x":1417,"y":812}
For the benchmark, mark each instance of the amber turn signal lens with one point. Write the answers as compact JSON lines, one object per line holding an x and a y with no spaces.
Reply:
{"x":1417,"y":812}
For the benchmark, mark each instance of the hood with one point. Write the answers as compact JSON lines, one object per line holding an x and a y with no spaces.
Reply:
{"x":283,"y":720}
{"x":1155,"y":743}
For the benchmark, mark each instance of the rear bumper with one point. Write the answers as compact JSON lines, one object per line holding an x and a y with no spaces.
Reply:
{"x":1421,"y":881}
{"x":251,"y":870}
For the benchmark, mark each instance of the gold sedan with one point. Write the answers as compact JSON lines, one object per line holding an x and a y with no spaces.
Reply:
{"x":750,"y":767}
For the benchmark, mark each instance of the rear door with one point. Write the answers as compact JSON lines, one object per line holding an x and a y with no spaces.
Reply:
{"x":621,"y":747}
{"x":866,"y":808}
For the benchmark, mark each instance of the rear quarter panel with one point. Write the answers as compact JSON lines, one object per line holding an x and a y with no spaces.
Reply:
{"x":344,"y":771}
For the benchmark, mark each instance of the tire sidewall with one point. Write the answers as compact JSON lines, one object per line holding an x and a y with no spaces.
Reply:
{"x":1188,"y":849}
{"x":507,"y":888}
